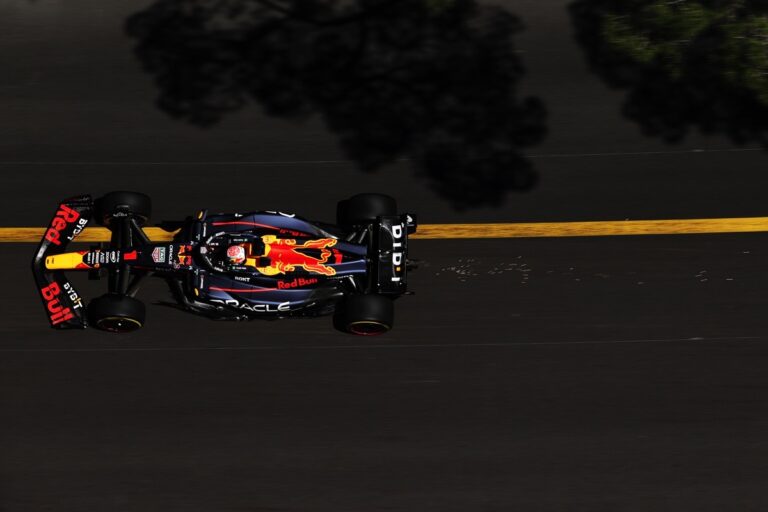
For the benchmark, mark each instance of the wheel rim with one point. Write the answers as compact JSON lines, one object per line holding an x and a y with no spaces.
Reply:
{"x":368,"y":328}
{"x":118,"y":324}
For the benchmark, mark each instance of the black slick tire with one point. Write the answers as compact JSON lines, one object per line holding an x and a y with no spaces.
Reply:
{"x":121,"y":203}
{"x":116,"y":313}
{"x":365,"y":314}
{"x":364,"y":208}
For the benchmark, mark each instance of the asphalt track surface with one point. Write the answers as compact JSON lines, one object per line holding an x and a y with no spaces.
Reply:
{"x":580,"y":374}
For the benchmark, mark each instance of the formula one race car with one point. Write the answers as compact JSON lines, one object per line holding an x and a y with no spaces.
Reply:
{"x":231,"y":266}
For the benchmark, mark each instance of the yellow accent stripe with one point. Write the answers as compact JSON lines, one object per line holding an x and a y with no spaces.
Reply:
{"x":495,"y":230}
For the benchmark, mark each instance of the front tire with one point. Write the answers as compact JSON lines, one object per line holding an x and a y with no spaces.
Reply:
{"x":365,"y":315}
{"x":122,"y":203}
{"x":116,"y":313}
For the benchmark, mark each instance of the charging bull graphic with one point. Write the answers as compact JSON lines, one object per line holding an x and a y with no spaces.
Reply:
{"x":285,"y":255}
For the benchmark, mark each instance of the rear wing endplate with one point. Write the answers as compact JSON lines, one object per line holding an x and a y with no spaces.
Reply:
{"x":391,"y":253}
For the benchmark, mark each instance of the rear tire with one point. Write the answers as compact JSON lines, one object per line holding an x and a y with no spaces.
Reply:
{"x":364,"y":208}
{"x":116,"y":313}
{"x":365,"y":315}
{"x":121,"y":203}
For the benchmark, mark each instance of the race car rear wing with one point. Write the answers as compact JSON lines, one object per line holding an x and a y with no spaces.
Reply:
{"x":390,"y":245}
{"x":63,"y":305}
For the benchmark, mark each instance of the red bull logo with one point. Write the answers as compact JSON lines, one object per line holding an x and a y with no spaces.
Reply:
{"x":286,"y":255}
{"x":64,"y":216}
{"x":56,"y":312}
{"x":184,"y":255}
{"x":299,"y":282}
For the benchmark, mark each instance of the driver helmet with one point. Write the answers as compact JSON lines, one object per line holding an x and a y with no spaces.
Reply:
{"x":236,"y":254}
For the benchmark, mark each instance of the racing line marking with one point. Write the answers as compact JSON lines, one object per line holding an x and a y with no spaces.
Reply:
{"x":486,"y":230}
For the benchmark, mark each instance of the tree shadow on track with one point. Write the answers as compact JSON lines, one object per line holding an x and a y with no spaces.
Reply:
{"x":687,"y":64}
{"x":434,"y":81}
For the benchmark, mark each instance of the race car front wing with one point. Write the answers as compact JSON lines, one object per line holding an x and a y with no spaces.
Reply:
{"x":63,"y":305}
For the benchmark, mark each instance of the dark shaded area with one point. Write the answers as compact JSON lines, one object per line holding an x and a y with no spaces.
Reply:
{"x":695,"y":64}
{"x":489,"y":393}
{"x":507,"y":384}
{"x":432,"y":81}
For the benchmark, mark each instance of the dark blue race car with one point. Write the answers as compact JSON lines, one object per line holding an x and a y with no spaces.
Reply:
{"x":235,"y":266}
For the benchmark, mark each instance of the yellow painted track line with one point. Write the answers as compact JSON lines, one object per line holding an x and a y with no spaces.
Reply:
{"x":595,"y":228}
{"x":496,"y":230}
